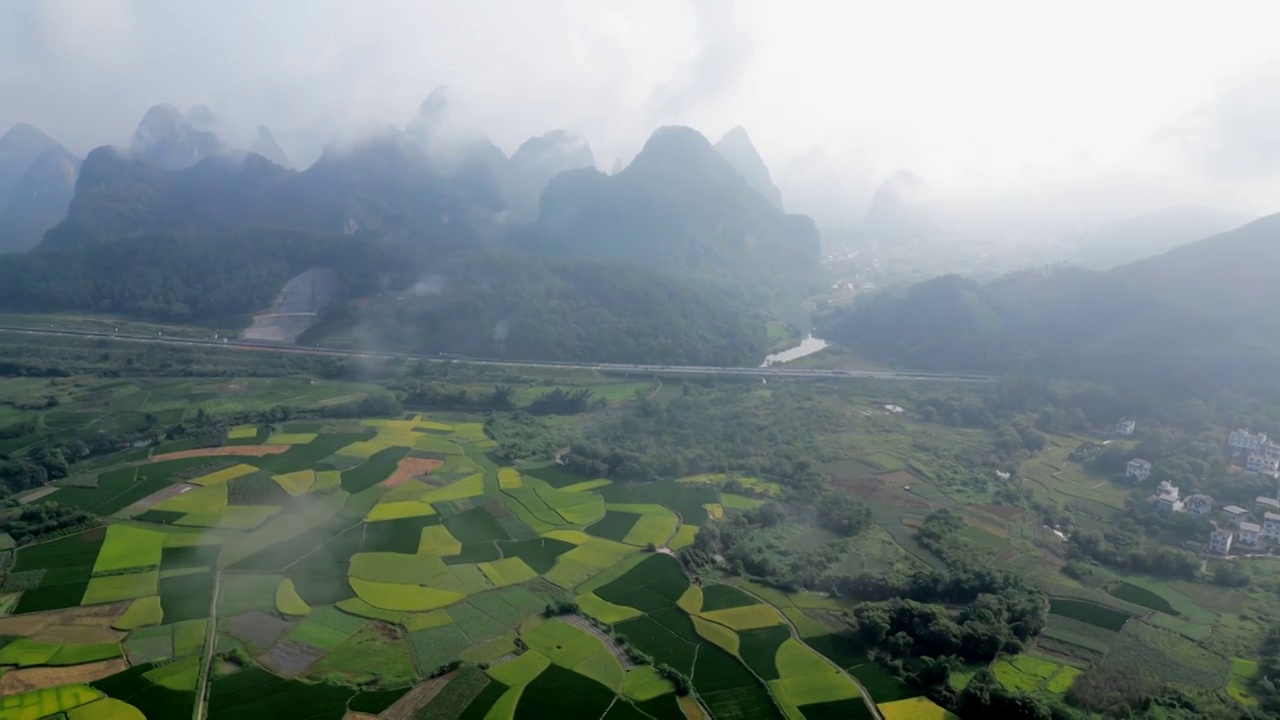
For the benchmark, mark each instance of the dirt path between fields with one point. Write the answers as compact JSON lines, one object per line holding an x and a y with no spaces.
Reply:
{"x":795,"y":635}
{"x":223,"y":451}
{"x":210,"y":644}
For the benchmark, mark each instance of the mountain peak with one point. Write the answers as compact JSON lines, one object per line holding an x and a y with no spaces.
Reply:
{"x":737,"y":148}
{"x":19,"y":147}
{"x":25,"y":134}
{"x":264,"y":143}
{"x":165,"y":139}
{"x":201,"y":117}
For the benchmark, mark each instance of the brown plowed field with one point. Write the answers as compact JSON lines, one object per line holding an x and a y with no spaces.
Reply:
{"x":410,"y":468}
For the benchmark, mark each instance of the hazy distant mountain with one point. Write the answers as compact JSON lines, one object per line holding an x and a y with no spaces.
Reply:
{"x":1135,"y":238}
{"x":167,"y":140}
{"x":382,"y":182}
{"x":539,"y":159}
{"x":678,"y":204}
{"x":264,"y":144}
{"x":39,"y":200}
{"x":459,"y":151}
{"x":1202,"y":310}
{"x":898,"y":212}
{"x":201,"y":118}
{"x":812,"y":185}
{"x":736,"y":147}
{"x":19,"y":147}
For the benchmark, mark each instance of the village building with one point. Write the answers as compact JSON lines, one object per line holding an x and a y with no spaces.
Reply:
{"x":1265,"y":504}
{"x":1167,"y":498}
{"x":1138,"y":468}
{"x":1262,"y":464}
{"x":1220,"y":541}
{"x":1234,"y":514}
{"x":1244,"y":440}
{"x":1126,"y":427}
{"x":1271,"y":526}
{"x":1198,"y":504}
{"x":1249,"y":534}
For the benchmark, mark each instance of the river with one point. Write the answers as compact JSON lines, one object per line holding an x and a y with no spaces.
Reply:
{"x":808,"y":346}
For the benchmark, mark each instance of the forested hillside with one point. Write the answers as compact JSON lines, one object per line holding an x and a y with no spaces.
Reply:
{"x":1202,"y":310}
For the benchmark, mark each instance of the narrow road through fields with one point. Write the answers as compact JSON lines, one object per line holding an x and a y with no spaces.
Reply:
{"x":795,"y":635}
{"x":210,"y":644}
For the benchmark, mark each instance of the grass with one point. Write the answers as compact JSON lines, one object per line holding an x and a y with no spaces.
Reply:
{"x":759,"y":649}
{"x":563,"y":644}
{"x":745,"y":618}
{"x":141,"y":612}
{"x":436,"y":540}
{"x":586,"y":560}
{"x":730,"y":501}
{"x":326,"y":628}
{"x":643,"y":682}
{"x":188,"y":637}
{"x":296,"y":483}
{"x":436,"y":646}
{"x":724,"y":597}
{"x":604,"y":611}
{"x":1141,"y":596}
{"x":395,"y":596}
{"x":111,"y":588}
{"x":106,"y":709}
{"x":242,"y":432}
{"x":207,"y":500}
{"x":562,"y":693}
{"x":288,"y":602}
{"x":25,"y":652}
{"x":615,"y":525}
{"x":692,"y":600}
{"x":127,"y":547}
{"x":399,"y":510}
{"x":1087,"y":612}
{"x":386,"y":567}
{"x":375,"y":652}
{"x":683,"y":538}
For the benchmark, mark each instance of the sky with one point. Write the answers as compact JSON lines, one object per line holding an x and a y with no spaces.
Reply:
{"x":1121,"y":106}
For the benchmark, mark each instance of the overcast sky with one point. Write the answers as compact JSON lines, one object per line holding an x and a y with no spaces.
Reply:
{"x":1175,"y":101}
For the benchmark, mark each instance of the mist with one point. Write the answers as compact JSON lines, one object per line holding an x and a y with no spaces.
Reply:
{"x":1021,"y":122}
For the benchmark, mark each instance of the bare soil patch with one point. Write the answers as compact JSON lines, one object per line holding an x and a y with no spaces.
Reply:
{"x":407,"y":707}
{"x":228,"y":450}
{"x":410,"y":468}
{"x":290,"y":657}
{"x":259,"y":629}
{"x":26,"y":679}
{"x":73,"y":625}
{"x":33,"y":495}
{"x":156,"y":497}
{"x":887,"y":489}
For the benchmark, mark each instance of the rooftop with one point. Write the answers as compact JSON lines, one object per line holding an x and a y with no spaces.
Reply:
{"x":1250,"y":527}
{"x":1271,"y":517}
{"x":1234,"y":510}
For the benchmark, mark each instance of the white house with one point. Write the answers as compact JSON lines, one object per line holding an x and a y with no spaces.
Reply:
{"x":1271,"y":449}
{"x":1138,"y":468}
{"x":1242,"y":439}
{"x":1167,"y":498}
{"x":1271,"y":526}
{"x":1263,"y":465}
{"x":1198,"y":504}
{"x":1264,"y":503}
{"x":1220,"y":541}
{"x":1250,"y":534}
{"x":1234,"y":514}
{"x":1125,"y":427}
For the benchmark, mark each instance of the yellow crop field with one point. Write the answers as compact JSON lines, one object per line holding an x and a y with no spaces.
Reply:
{"x":643,"y":682}
{"x":748,"y":617}
{"x":290,"y":438}
{"x":208,"y":500}
{"x":653,"y":528}
{"x":363,"y":449}
{"x":296,"y":483}
{"x":388,"y":567}
{"x":718,"y":634}
{"x":106,"y":709}
{"x":436,"y":540}
{"x":599,"y":553}
{"x":470,"y":486}
{"x":684,"y":537}
{"x":507,"y":571}
{"x":586,"y":485}
{"x":288,"y":602}
{"x":715,"y":511}
{"x":574,"y":537}
{"x":120,"y":587}
{"x":411,"y":598}
{"x":143,"y":611}
{"x":603,"y":610}
{"x":509,"y":478}
{"x":225,"y":474}
{"x":326,"y":479}
{"x":919,"y":708}
{"x":127,"y":546}
{"x":520,"y":671}
{"x":691,"y":600}
{"x":398,"y":510}
{"x":807,"y":678}
{"x":242,"y":432}
{"x":427,"y":620}
{"x":46,"y":701}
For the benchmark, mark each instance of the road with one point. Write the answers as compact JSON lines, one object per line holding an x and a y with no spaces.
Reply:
{"x":688,"y":370}
{"x":210,"y":645}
